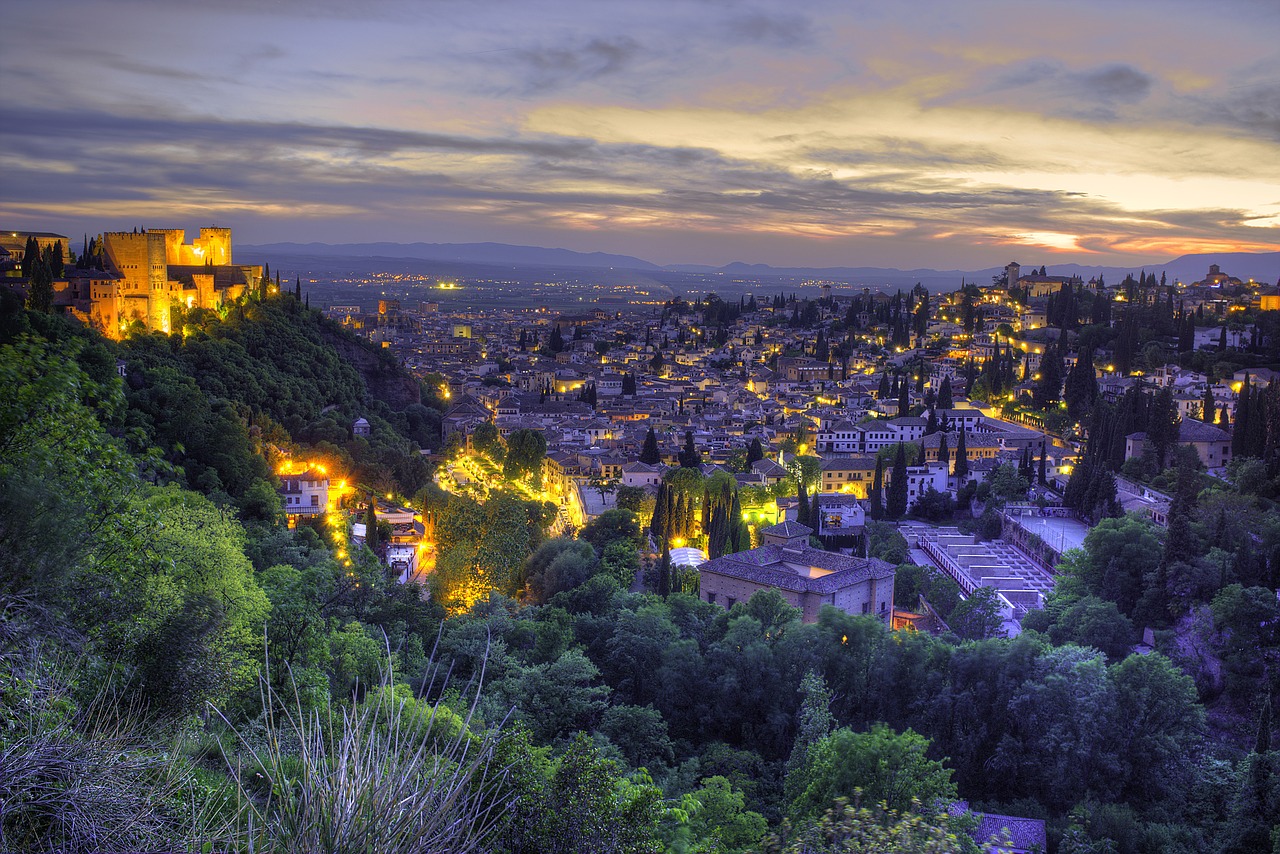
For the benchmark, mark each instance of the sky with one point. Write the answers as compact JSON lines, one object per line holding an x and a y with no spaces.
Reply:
{"x":954,"y":134}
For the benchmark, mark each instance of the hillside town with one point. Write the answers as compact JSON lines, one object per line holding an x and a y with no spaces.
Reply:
{"x":981,"y":401}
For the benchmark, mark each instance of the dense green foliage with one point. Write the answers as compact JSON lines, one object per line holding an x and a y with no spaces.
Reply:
{"x":171,"y":654}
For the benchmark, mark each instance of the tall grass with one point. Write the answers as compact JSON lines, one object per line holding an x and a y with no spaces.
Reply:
{"x":390,"y":774}
{"x":95,"y":778}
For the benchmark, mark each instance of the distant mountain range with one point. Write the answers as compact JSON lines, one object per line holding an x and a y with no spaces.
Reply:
{"x":1262,"y":266}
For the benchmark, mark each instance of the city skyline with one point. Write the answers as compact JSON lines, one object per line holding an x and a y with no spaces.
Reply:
{"x":683,"y":132}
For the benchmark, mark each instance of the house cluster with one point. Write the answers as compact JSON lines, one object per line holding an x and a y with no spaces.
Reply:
{"x":596,"y":383}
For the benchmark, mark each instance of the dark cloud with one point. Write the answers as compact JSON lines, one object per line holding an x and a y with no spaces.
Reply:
{"x":1113,"y":83}
{"x":88,"y":129}
{"x":1253,"y":108}
{"x":780,"y":31}
{"x":551,"y":68}
{"x":1041,"y":85}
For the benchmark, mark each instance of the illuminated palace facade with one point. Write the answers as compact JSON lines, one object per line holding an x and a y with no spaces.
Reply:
{"x":149,"y":274}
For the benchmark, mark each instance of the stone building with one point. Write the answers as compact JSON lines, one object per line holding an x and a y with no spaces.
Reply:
{"x":807,"y":578}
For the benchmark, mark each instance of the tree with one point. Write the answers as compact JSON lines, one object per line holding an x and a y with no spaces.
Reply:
{"x":610,"y":526}
{"x":371,"y":525}
{"x":657,"y":363}
{"x":1119,"y":555}
{"x":944,"y":394}
{"x":961,"y":468}
{"x":488,"y":441}
{"x":887,"y":766}
{"x":620,"y":560}
{"x":1208,"y":407}
{"x":1081,"y":390}
{"x":649,"y":454}
{"x":722,"y":818}
{"x":40,"y":287}
{"x":755,"y":452}
{"x":557,"y":339}
{"x":1049,"y":389}
{"x":557,"y":565}
{"x":876,"y":505}
{"x":690,"y":456}
{"x":588,"y":806}
{"x":896,"y":500}
{"x":852,"y":827}
{"x":1163,"y":424}
{"x":526,"y":450}
{"x":979,"y":616}
{"x":806,"y":469}
{"x":944,"y":453}
{"x":814,"y":724}
{"x":640,"y":733}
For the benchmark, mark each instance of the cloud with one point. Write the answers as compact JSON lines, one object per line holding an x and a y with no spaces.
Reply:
{"x":1254,"y":108}
{"x":377,"y":176}
{"x":780,"y":31}
{"x":1047,"y":85}
{"x":1112,"y":83}
{"x":552,"y":68}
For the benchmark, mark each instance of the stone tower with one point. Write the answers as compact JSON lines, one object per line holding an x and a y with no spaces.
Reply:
{"x":214,"y":245}
{"x":144,"y":291}
{"x":1013,"y":270}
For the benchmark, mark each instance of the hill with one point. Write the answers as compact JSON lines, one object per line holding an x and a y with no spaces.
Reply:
{"x":1261,"y":266}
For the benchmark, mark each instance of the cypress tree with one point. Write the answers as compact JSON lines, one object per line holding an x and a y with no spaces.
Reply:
{"x":1162,"y":424}
{"x":297,"y":288}
{"x":1049,"y":389}
{"x":1040,"y":478}
{"x":896,"y":504}
{"x":944,"y":452}
{"x":658,"y":523}
{"x":884,"y":391}
{"x":371,"y":525}
{"x":944,"y":394}
{"x":718,"y":532}
{"x":1208,"y":408}
{"x":931,"y":424}
{"x":961,"y":469}
{"x":904,"y":398}
{"x":755,"y":452}
{"x":649,"y":454}
{"x":40,"y":287}
{"x":690,"y":457}
{"x":1081,"y":388}
{"x":875,"y":508}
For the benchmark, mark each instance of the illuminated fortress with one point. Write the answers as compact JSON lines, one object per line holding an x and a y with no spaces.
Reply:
{"x":143,"y":278}
{"x":147,"y":275}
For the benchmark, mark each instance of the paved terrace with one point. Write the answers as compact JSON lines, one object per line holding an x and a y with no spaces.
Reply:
{"x":1020,"y":582}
